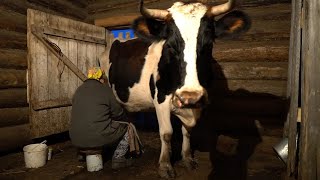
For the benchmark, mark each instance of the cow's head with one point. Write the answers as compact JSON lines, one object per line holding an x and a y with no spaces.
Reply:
{"x":189,"y":30}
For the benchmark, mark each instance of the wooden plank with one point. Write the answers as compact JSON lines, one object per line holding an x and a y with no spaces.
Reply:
{"x":63,"y":119}
{"x":124,"y":20}
{"x":73,"y":79}
{"x":49,"y":104}
{"x":230,"y":50}
{"x":13,"y":21}
{"x":13,"y":59}
{"x":129,"y":6}
{"x":54,"y":65}
{"x":14,"y":116}
{"x":16,"y":6}
{"x":79,"y":3}
{"x":69,"y":35}
{"x":61,"y":6}
{"x":38,"y":71}
{"x":82,"y":53}
{"x":13,"y":97}
{"x":250,"y":70}
{"x":275,"y":15}
{"x":310,"y":124}
{"x":12,"y":40}
{"x":290,"y":128}
{"x":257,"y":87}
{"x":279,"y":21}
{"x":14,"y":136}
{"x":10,"y":78}
{"x":69,"y":25}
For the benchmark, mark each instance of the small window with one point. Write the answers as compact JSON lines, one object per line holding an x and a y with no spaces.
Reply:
{"x":118,"y":33}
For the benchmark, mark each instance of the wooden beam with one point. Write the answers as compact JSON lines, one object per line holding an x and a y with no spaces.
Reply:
{"x":13,"y":58}
{"x":79,"y":3}
{"x":14,"y":116}
{"x":14,"y":97}
{"x":14,"y":137}
{"x":16,"y":6}
{"x":11,"y":78}
{"x":251,"y":51}
{"x":59,"y":6}
{"x":250,"y":70}
{"x":122,"y":20}
{"x":51,"y":104}
{"x":12,"y":40}
{"x":13,"y":21}
{"x":247,"y":87}
{"x":309,"y":168}
{"x":66,"y":34}
{"x":293,"y":86}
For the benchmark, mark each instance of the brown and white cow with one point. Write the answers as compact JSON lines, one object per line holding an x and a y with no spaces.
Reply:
{"x":168,"y":68}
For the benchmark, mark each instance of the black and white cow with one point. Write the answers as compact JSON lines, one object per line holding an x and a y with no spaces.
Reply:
{"x":168,"y":68}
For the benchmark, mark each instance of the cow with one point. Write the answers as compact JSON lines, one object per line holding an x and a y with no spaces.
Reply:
{"x":168,"y":67}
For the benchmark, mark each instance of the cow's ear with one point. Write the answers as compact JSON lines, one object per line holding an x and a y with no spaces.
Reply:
{"x":150,"y":29}
{"x":232,"y":24}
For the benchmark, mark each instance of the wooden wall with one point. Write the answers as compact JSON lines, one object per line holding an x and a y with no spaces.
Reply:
{"x":14,"y":127}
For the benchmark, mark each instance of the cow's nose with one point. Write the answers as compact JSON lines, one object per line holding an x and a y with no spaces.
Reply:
{"x":190,"y":97}
{"x":186,"y":98}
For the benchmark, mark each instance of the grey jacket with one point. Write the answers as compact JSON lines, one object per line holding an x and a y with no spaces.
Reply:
{"x":95,"y":111}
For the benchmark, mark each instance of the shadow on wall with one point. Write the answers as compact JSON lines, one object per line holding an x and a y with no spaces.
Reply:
{"x":229,"y":128}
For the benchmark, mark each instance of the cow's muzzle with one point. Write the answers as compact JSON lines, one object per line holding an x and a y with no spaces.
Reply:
{"x":189,"y":100}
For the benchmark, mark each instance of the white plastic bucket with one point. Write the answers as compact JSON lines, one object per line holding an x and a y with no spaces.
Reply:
{"x":94,"y":162}
{"x":35,"y":155}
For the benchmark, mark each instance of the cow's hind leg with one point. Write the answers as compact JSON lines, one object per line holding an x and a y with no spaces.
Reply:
{"x":165,"y":129}
{"x":187,"y":159}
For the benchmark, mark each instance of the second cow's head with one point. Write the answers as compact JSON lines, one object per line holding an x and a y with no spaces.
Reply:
{"x":189,"y":30}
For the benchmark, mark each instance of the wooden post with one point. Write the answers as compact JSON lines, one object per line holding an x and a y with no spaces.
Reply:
{"x":293,"y":86}
{"x":309,"y":164}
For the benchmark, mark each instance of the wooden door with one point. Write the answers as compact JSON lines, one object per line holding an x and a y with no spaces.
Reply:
{"x":51,"y":84}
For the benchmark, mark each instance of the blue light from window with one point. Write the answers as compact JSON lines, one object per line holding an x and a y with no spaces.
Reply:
{"x":124,"y":31}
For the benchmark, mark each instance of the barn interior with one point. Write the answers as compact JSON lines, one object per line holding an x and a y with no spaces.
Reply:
{"x":235,"y":136}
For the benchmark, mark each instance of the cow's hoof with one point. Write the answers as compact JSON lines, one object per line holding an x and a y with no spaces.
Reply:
{"x":166,"y":172}
{"x":190,"y":163}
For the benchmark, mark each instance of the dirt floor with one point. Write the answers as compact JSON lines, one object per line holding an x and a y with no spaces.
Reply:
{"x":226,"y":166}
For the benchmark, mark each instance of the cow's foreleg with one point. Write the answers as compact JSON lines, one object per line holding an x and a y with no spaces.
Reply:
{"x":187,"y":158}
{"x":188,"y":118}
{"x":165,"y":129}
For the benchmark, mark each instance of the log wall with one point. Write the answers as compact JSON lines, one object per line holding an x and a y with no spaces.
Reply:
{"x":14,"y":110}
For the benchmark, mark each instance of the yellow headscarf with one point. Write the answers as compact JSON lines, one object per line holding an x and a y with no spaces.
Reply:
{"x":95,"y":73}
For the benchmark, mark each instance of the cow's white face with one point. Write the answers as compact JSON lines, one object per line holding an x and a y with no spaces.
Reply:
{"x":189,"y":30}
{"x":187,"y":18}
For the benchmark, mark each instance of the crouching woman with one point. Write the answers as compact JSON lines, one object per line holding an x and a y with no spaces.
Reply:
{"x":98,"y":120}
